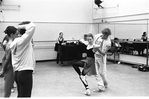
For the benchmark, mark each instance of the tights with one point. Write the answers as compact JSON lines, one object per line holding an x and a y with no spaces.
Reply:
{"x":76,"y":66}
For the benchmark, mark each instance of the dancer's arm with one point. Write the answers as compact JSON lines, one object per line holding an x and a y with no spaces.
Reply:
{"x":3,"y":59}
{"x":104,"y":51}
{"x":5,"y":62}
{"x":27,"y":36}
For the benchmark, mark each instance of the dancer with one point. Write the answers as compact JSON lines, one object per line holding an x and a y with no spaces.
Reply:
{"x":7,"y":70}
{"x":23,"y":59}
{"x":102,"y":44}
{"x":87,"y":64}
{"x":3,"y":44}
{"x":144,"y":36}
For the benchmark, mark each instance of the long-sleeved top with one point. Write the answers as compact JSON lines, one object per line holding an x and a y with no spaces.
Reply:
{"x":22,"y":50}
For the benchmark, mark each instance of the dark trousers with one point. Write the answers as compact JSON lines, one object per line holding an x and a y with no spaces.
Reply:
{"x":76,"y":66}
{"x":24,"y":81}
{"x":59,"y":58}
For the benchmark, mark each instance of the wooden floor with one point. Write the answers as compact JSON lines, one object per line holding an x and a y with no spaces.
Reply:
{"x":52,"y":80}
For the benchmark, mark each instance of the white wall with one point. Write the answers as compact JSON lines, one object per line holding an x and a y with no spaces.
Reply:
{"x":51,"y":17}
{"x":72,"y":17}
{"x":50,"y":10}
{"x":127,"y":20}
{"x":120,"y":8}
{"x":125,"y":31}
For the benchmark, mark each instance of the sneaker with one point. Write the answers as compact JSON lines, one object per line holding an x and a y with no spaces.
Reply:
{"x":106,"y":84}
{"x":100,"y":89}
{"x":87,"y":92}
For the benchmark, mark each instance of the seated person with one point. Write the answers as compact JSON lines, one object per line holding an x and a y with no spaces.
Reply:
{"x":117,"y":43}
{"x":144,"y":36}
{"x":117,"y":46}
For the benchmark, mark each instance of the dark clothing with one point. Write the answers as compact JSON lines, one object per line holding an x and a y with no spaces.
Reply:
{"x":24,"y":81}
{"x":76,"y":66}
{"x":88,"y":66}
{"x":59,"y":57}
{"x":88,"y":69}
{"x":60,"y":40}
{"x":144,"y":38}
{"x":90,"y":53}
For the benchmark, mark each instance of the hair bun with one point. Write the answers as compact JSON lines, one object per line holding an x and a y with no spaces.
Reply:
{"x":10,"y":29}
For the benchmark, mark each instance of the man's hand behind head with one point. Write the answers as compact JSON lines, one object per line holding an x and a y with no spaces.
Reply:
{"x":24,"y":22}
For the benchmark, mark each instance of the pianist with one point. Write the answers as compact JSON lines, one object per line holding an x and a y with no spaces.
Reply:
{"x":144,"y":36}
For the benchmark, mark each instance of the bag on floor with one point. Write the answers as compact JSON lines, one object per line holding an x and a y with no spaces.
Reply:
{"x":143,"y":68}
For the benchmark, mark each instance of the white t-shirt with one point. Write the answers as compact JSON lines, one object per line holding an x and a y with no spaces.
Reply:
{"x":102,"y":44}
{"x":22,"y":50}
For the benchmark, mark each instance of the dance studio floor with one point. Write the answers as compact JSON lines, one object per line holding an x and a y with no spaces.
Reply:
{"x":52,"y":80}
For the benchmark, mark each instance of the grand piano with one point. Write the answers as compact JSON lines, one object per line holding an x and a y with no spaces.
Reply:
{"x":71,"y":51}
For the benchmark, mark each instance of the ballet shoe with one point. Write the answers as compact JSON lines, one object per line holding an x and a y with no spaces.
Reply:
{"x":100,"y":89}
{"x":87,"y":92}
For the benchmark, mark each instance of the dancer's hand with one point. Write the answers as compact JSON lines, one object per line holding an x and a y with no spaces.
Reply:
{"x":94,"y":50}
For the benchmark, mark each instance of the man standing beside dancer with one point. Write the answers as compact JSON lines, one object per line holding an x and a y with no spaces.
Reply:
{"x":102,"y":44}
{"x":23,"y":58}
